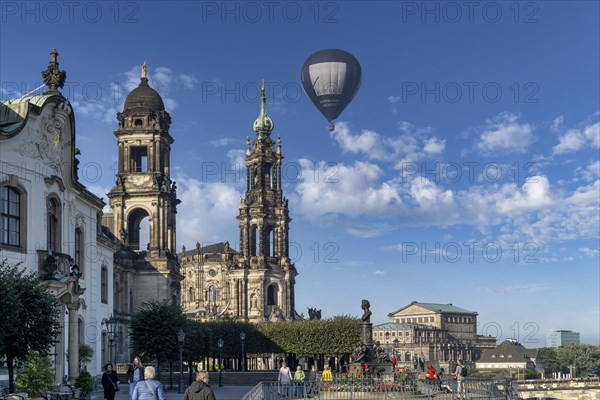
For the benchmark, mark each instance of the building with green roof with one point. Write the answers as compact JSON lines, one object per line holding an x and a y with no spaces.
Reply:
{"x":444,"y":333}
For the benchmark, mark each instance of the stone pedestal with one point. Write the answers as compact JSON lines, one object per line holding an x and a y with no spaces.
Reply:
{"x":375,"y":369}
{"x":366,"y":334}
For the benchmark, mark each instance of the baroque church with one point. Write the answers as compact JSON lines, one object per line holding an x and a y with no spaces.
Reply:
{"x":95,"y":263}
{"x":255,"y":284}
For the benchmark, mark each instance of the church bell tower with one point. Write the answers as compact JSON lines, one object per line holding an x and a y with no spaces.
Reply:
{"x":264,"y":228}
{"x":144,"y":189}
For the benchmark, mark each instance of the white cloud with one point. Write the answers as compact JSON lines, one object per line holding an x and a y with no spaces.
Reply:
{"x":570,"y":141}
{"x":207,"y":213}
{"x":411,"y":145}
{"x":505,"y":134}
{"x":348,"y":189}
{"x":517,"y":289}
{"x":575,"y":139}
{"x":592,"y":171}
{"x":434,"y":145}
{"x":225,"y":141}
{"x":379,"y":272}
{"x":589,"y":252}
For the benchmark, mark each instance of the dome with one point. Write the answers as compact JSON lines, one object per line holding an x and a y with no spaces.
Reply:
{"x":143,"y":98}
{"x":263,"y":124}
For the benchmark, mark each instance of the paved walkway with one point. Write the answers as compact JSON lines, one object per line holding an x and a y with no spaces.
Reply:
{"x":223,"y":393}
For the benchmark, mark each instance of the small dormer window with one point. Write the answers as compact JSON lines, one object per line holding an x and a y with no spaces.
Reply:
{"x":501,"y":355}
{"x":493,"y":356}
{"x":138,"y":123}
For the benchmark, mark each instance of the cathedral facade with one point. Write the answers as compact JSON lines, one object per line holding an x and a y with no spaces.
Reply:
{"x":256,"y":283}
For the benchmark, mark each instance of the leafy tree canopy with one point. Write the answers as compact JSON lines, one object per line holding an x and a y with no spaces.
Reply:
{"x":30,"y":316}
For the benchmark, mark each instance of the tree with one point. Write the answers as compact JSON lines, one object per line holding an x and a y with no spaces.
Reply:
{"x":37,"y":376}
{"x":153,"y":331}
{"x":584,"y":358}
{"x":85,"y":354}
{"x":30,"y":316}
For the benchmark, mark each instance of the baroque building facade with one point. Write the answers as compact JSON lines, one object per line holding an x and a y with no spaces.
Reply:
{"x":441,"y":332}
{"x":256,"y":283}
{"x":50,"y":223}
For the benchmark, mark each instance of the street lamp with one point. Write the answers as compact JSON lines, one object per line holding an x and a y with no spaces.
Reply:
{"x":220,"y":343}
{"x":111,"y":325}
{"x":387,"y":343}
{"x":180,"y":340}
{"x":243,"y":339}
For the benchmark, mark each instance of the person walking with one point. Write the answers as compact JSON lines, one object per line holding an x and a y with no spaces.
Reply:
{"x":135,"y":373}
{"x":149,"y":388}
{"x":459,"y":375}
{"x":200,"y":389}
{"x":313,"y":377}
{"x":110,"y":382}
{"x":284,"y":378}
{"x":327,"y":377}
{"x":299,"y":381}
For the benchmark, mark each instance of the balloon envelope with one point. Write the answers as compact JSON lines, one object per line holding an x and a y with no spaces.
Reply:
{"x":331,"y":78}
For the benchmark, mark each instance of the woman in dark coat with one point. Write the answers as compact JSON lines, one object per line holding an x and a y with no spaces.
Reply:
{"x":110,"y":382}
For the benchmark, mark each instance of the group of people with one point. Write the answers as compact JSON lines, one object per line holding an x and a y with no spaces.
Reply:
{"x":435,"y":377}
{"x":143,"y":386}
{"x":286,"y":379}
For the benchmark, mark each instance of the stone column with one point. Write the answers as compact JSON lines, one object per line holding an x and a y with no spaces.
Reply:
{"x":73,"y":341}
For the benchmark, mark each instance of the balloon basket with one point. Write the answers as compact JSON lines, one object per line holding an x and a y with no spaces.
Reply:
{"x":331,"y":127}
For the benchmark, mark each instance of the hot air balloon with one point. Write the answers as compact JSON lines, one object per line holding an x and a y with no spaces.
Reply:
{"x":331,"y":79}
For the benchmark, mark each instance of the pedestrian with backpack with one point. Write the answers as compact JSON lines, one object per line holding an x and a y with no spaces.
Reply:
{"x":460,"y":374}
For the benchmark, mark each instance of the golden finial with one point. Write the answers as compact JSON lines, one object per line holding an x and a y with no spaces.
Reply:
{"x":144,"y":70}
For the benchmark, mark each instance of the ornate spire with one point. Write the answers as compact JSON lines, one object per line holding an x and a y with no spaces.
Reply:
{"x":144,"y":70}
{"x":278,"y":143}
{"x":53,"y":77}
{"x":263,"y":123}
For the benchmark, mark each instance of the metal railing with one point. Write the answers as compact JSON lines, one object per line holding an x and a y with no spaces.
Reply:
{"x":375,"y":389}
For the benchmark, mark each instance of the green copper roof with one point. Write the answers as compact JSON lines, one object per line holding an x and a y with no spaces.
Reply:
{"x":442,"y":308}
{"x":445,"y":308}
{"x":400,"y":326}
{"x":13,"y":112}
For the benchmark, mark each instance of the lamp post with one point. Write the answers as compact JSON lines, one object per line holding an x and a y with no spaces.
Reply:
{"x":396,"y":344}
{"x":243,"y":340}
{"x":387,"y":343}
{"x":111,"y":325}
{"x":180,"y":341}
{"x":220,"y":343}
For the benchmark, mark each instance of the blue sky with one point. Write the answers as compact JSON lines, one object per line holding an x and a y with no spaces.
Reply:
{"x":465,"y":171}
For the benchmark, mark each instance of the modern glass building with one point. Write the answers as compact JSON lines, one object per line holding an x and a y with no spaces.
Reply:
{"x":560,"y":337}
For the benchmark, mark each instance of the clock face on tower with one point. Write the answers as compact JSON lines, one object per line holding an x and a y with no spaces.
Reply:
{"x":212,"y":272}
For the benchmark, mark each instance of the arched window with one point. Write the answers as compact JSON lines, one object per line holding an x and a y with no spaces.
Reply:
{"x":104,"y":285}
{"x":53,"y":224}
{"x":78,"y":256}
{"x":10,"y":216}
{"x":191,"y":296}
{"x":272,"y":295}
{"x":213,"y":293}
